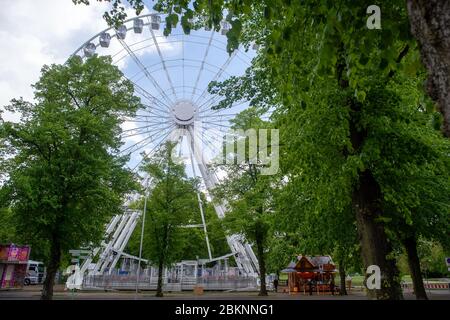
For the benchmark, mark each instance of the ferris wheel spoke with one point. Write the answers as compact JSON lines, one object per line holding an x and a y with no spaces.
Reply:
{"x":150,"y":108}
{"x":182,"y":57}
{"x":154,"y":128}
{"x":138,"y":128}
{"x":144,"y":142}
{"x":152,"y":67}
{"x":151,"y":98}
{"x":203,"y":64}
{"x":145,"y":71}
{"x":148,"y":115}
{"x":219,"y":138}
{"x":140,"y":147}
{"x":212,"y":112}
{"x":161,"y":57}
{"x":151,"y":116}
{"x":183,"y":89}
{"x":230,"y":115}
{"x":205,"y":137}
{"x":216,"y":123}
{"x":208,"y":104}
{"x":154,"y":150}
{"x":218,"y":74}
{"x":209,"y":127}
{"x":139,"y":122}
{"x":137,"y":131}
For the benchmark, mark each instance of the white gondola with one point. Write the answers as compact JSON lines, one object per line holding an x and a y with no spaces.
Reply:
{"x":255,"y":46}
{"x":105,"y":40}
{"x":207,"y":28}
{"x":121,"y":32}
{"x":89,"y":49}
{"x":225,"y":27}
{"x":138,"y":25}
{"x":156,"y":21}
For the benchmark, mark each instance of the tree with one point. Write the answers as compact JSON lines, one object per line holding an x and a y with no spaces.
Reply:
{"x":339,"y":46}
{"x":172,"y":203}
{"x":117,"y":13}
{"x":319,"y":139}
{"x":248,"y":193}
{"x":429,"y":22}
{"x":194,"y":245}
{"x":65,"y":178}
{"x":416,"y":189}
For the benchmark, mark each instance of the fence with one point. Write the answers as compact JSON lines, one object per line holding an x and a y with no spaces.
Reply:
{"x":409,"y":286}
{"x":128,"y":282}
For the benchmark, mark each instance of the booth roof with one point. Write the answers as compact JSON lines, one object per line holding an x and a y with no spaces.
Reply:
{"x":315,"y":261}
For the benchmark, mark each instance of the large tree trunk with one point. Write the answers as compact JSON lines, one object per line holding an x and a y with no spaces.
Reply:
{"x":159,"y":291}
{"x":53,"y":266}
{"x":430,"y":25}
{"x":374,"y":242}
{"x":342,"y":275}
{"x":410,"y":244}
{"x":262,"y":264}
{"x":366,"y":203}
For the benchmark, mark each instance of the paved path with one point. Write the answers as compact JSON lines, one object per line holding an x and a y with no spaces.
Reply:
{"x":33,"y":293}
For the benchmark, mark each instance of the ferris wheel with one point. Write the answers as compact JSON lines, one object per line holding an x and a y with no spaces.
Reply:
{"x":171,"y":75}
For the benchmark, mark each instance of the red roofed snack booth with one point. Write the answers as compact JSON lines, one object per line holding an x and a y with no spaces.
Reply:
{"x":13,"y":265}
{"x":311,"y":275}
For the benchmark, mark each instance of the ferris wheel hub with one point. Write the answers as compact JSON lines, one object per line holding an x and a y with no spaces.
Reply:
{"x":184,"y":112}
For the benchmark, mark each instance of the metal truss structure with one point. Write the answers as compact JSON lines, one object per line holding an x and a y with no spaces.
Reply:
{"x":176,"y":105}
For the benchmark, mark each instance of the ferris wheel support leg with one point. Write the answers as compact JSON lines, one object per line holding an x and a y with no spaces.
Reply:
{"x":123,"y":239}
{"x":138,"y":271}
{"x":110,"y":227}
{"x":200,"y":204}
{"x":105,"y":256}
{"x":244,"y":260}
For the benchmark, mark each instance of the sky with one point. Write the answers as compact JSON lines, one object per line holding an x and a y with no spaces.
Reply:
{"x":34,"y":33}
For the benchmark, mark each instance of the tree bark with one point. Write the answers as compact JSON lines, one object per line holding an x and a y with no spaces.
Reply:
{"x":372,"y":236}
{"x":159,"y":291}
{"x":410,"y":244}
{"x":262,"y":265}
{"x":366,"y":203}
{"x":53,"y":266}
{"x":342,"y":275}
{"x":430,"y":25}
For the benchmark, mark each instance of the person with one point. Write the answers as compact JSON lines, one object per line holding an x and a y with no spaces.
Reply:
{"x":332,"y":286}
{"x":310,"y":284}
{"x":275,"y":284}
{"x":348,"y":279}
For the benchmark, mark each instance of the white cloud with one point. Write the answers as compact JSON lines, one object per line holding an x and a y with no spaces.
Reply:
{"x":34,"y":33}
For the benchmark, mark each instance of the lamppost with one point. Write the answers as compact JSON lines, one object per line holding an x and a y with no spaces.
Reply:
{"x":138,"y":272}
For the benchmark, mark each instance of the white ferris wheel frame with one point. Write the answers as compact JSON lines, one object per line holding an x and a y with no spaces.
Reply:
{"x":181,"y":113}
